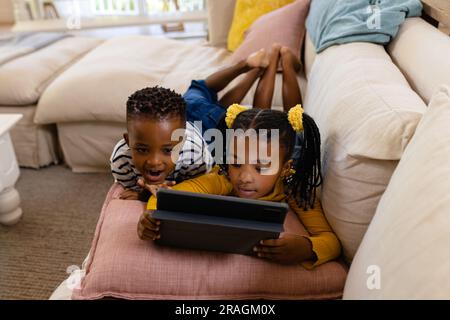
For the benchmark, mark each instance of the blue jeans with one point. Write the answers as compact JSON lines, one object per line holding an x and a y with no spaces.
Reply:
{"x":202,"y":105}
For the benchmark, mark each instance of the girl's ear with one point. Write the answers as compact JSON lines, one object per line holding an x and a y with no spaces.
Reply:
{"x":125,"y":136}
{"x":287,"y":168}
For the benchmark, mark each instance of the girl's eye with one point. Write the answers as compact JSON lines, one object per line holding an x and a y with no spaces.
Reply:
{"x":167,"y":150}
{"x":262,"y":169}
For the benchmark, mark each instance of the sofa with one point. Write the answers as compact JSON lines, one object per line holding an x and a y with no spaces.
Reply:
{"x":368,"y":101}
{"x":23,"y":80}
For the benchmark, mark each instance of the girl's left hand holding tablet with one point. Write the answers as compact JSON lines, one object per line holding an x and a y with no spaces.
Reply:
{"x":148,"y":227}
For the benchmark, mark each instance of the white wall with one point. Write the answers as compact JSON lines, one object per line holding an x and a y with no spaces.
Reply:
{"x":6,"y":12}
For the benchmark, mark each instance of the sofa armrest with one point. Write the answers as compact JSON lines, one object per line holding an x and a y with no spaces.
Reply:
{"x":220,"y":16}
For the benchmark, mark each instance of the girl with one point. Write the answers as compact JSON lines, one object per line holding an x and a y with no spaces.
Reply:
{"x":293,"y":183}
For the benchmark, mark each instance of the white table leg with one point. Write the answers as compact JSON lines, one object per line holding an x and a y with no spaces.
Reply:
{"x":10,"y":211}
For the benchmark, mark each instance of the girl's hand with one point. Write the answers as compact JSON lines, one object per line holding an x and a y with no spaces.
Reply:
{"x":148,"y":227}
{"x":153,"y":188}
{"x":129,"y":194}
{"x":290,"y":249}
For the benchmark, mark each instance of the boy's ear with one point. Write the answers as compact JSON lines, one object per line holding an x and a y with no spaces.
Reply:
{"x":125,"y":136}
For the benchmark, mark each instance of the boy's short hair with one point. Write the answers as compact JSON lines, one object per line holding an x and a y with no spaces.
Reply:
{"x":156,"y":103}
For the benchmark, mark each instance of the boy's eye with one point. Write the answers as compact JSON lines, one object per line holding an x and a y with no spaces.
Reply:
{"x":141,"y":150}
{"x":167,"y":150}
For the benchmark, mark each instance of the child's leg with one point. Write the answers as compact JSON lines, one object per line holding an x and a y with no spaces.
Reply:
{"x":291,"y":90}
{"x":220,"y":79}
{"x":201,"y":97}
{"x":238,"y":92}
{"x":264,"y":91}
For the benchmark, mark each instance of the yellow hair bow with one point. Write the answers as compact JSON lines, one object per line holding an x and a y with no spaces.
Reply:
{"x":232,"y":113}
{"x":295,"y":117}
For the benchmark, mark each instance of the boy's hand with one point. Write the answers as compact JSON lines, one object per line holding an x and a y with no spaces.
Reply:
{"x":153,"y":188}
{"x":148,"y":227}
{"x":290,"y":249}
{"x":129,"y":194}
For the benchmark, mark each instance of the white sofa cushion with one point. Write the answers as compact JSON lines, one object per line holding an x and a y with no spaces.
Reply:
{"x":408,"y":239}
{"x":422,"y":52}
{"x":24,"y":79}
{"x":96,"y":88}
{"x":366,"y":113}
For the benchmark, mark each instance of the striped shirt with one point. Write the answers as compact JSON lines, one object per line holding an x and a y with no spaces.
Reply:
{"x":194,"y":159}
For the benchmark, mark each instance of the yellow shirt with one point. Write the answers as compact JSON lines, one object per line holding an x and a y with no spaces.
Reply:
{"x":324,"y":242}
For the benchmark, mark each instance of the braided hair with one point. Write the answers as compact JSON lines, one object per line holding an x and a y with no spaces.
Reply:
{"x":308,"y":172}
{"x":307,"y":177}
{"x":156,"y":103}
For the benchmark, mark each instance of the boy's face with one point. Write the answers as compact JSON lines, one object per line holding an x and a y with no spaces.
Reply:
{"x":151,"y":146}
{"x":254,"y":180}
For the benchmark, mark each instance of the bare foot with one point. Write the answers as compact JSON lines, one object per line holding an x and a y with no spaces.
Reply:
{"x":258,"y":59}
{"x":274,"y":60}
{"x":289,"y":59}
{"x":275,"y":51}
{"x":276,"y":47}
{"x":275,"y":57}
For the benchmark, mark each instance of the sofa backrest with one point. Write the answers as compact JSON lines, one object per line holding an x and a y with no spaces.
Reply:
{"x":367,"y":113}
{"x":422,"y":53}
{"x":220,"y":16}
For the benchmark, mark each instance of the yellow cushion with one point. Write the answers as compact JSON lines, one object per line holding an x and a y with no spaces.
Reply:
{"x":247,"y":11}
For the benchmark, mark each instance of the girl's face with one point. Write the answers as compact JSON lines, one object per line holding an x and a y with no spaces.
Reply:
{"x":255,"y":180}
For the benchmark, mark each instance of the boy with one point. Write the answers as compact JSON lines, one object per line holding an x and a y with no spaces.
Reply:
{"x":145,"y":152}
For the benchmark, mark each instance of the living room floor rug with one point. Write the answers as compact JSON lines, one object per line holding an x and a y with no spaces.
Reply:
{"x":61,"y":209}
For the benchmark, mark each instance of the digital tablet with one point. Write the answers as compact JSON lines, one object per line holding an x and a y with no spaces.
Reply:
{"x":217,"y":223}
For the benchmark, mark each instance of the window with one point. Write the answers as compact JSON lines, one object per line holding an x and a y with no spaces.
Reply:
{"x":115,"y":7}
{"x":34,"y":9}
{"x":143,"y":7}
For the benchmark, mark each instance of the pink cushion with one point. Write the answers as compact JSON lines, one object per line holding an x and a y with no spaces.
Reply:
{"x":285,"y":26}
{"x":123,"y":266}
